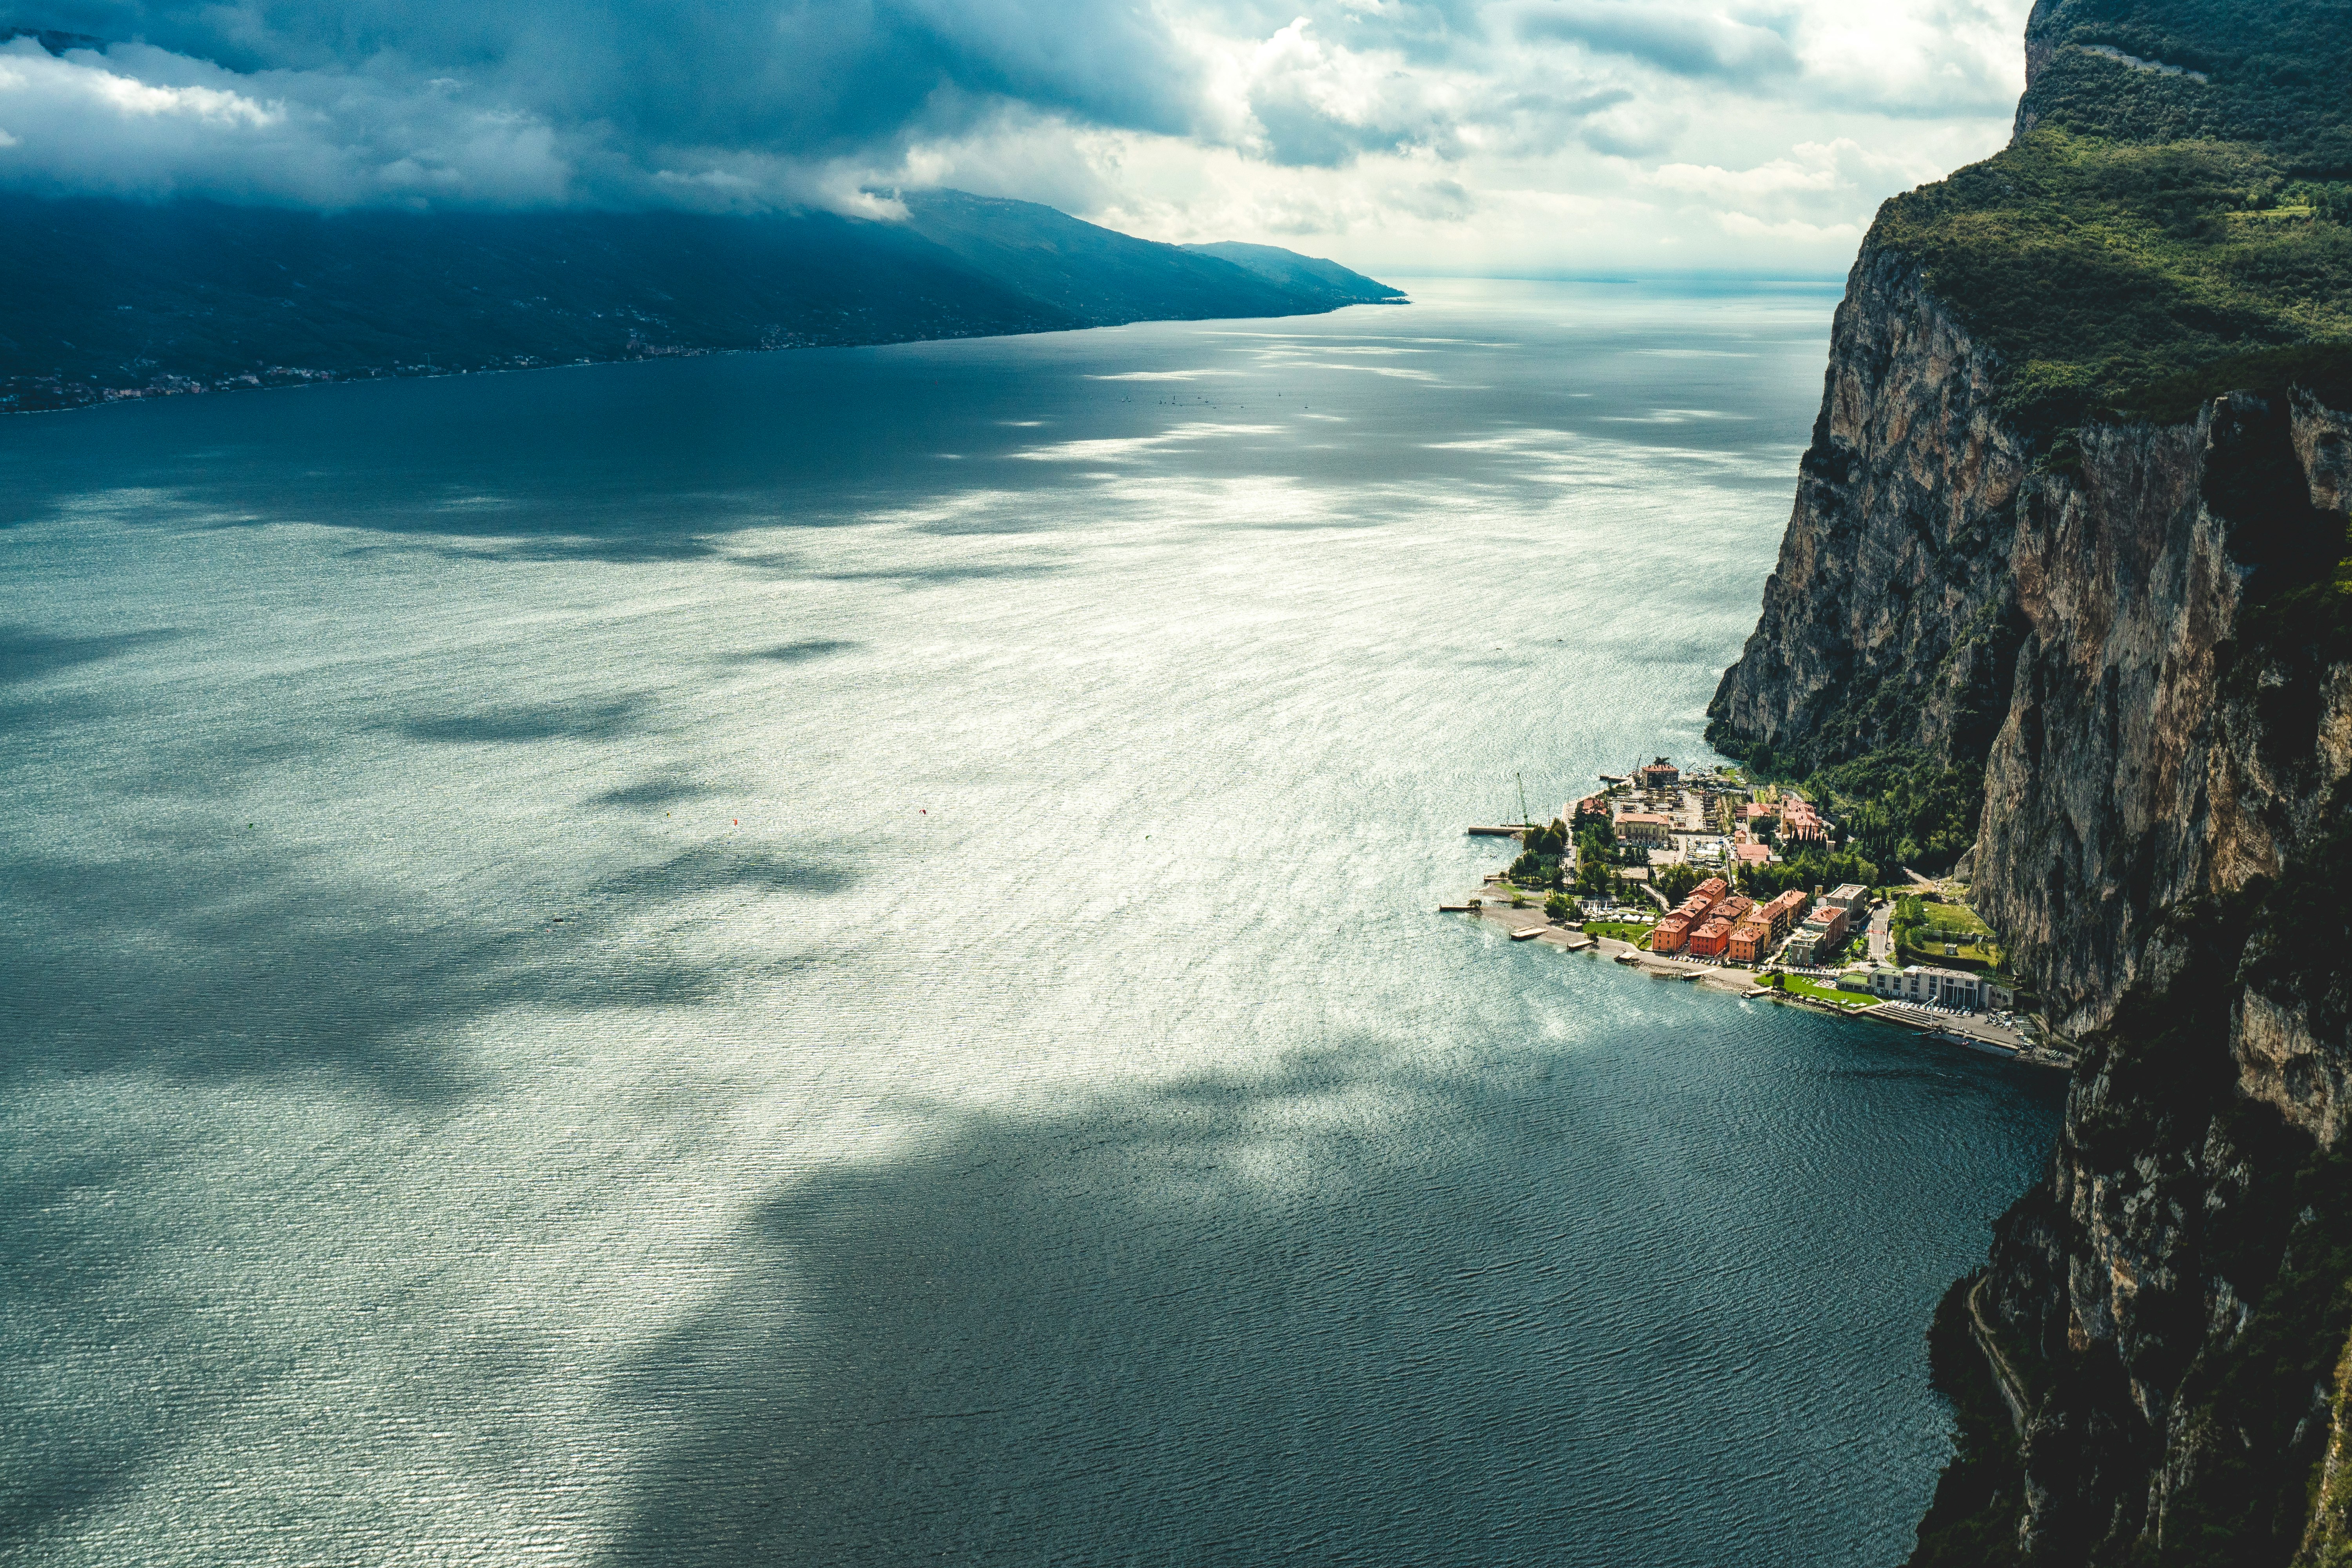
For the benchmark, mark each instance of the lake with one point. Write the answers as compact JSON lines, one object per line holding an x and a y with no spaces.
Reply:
{"x":830,"y":958}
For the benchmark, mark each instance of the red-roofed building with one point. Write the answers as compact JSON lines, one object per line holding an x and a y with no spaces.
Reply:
{"x":1669,"y":934}
{"x":1644,"y":827}
{"x":1710,"y":940}
{"x":1799,"y":823}
{"x":1693,"y":909}
{"x":1818,"y":936}
{"x":1784,"y":911}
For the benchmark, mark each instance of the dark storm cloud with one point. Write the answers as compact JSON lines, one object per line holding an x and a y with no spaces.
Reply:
{"x":519,"y":100}
{"x":803,"y":76}
{"x":1284,"y":117}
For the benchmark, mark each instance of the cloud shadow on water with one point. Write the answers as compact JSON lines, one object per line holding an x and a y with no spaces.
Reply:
{"x":802,"y":652}
{"x":229,"y":960}
{"x":624,"y":550}
{"x":1229,"y":1319}
{"x":650,"y":791}
{"x":223,"y":966}
{"x":28,"y":654}
{"x":948,"y":572}
{"x":529,"y":722}
{"x":226,"y":966}
{"x":716,"y":867}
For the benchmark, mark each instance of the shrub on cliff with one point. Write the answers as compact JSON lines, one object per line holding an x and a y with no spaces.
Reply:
{"x":2101,"y":270}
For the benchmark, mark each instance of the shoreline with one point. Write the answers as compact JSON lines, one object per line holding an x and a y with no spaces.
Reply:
{"x":1532,"y":924}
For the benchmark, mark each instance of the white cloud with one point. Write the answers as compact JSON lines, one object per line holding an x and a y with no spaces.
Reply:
{"x":1440,"y":135}
{"x":137,"y":122}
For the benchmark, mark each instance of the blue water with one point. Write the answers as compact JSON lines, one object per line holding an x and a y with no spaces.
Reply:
{"x":828,"y":958}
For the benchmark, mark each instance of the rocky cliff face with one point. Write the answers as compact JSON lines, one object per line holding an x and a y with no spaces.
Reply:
{"x":2136,"y":639}
{"x":1889,"y":620}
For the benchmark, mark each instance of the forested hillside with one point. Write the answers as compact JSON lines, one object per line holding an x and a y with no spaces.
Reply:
{"x":102,"y":300}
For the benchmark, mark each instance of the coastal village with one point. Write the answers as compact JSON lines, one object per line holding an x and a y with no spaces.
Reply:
{"x":1688,"y":876}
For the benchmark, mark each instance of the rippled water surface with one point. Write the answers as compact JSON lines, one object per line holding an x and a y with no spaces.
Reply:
{"x":828,"y":958}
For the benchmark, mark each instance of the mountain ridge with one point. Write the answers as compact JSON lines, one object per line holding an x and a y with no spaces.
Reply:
{"x":101,"y":300}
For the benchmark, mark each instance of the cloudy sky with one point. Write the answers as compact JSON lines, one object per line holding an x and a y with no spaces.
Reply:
{"x":1518,"y":136}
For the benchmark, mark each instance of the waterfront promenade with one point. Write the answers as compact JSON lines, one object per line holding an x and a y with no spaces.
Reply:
{"x":1532,"y":924}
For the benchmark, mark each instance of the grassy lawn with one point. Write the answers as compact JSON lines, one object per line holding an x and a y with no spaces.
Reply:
{"x":1954,"y":925}
{"x":1798,"y":985}
{"x":1957,"y":918}
{"x":1967,"y":956}
{"x":1639,"y":935}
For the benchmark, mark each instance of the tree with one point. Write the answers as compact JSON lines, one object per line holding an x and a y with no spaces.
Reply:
{"x":1593,"y":876}
{"x":1676,"y":881}
{"x":1562,"y":909}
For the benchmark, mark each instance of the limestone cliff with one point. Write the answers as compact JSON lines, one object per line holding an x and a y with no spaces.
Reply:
{"x":2134,"y":630}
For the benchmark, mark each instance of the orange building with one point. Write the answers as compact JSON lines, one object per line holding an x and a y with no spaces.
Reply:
{"x":1711,"y":939}
{"x":1669,"y":935}
{"x":1783,"y":911}
{"x":1734,"y":909}
{"x":1750,"y":940}
{"x":1702,"y":901}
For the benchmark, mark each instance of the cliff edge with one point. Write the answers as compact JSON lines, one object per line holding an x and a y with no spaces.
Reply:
{"x":2071,"y":539}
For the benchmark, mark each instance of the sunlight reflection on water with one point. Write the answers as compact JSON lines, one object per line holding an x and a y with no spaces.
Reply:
{"x":827,"y":958}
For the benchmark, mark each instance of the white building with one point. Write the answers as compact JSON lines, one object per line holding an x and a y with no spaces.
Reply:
{"x":1851,"y":897}
{"x":1934,"y":988}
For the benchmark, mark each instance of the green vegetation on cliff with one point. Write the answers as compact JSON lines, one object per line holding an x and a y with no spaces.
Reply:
{"x":2269,"y":73}
{"x":2097,"y":269}
{"x":2179,"y":194}
{"x":2116,"y":278}
{"x":1895,"y":805}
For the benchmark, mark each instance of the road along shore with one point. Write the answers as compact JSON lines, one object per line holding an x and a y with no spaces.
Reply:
{"x":1529,"y":924}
